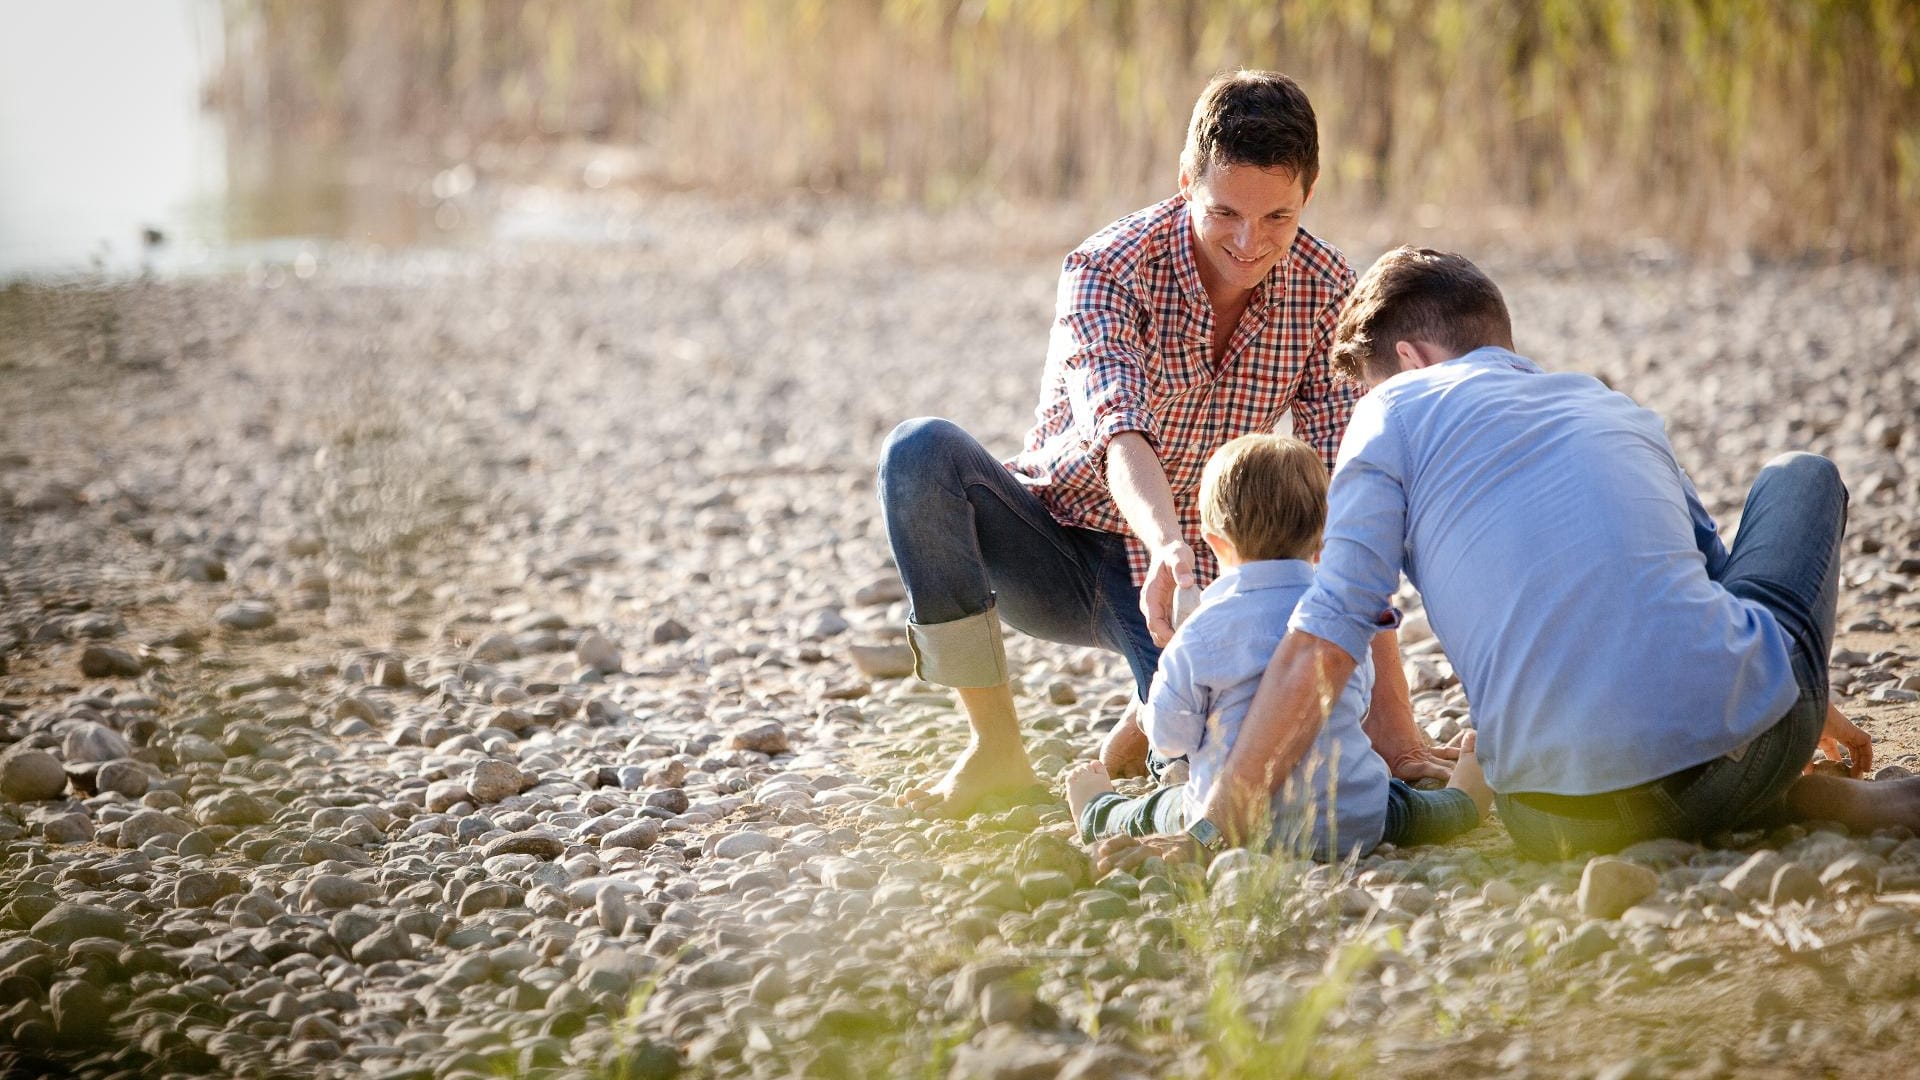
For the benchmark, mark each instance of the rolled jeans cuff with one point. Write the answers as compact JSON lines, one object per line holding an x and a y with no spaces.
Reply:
{"x":964,"y":652}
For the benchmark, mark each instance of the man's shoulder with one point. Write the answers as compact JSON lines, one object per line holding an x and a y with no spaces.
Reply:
{"x":1124,"y":246}
{"x":1321,"y":266}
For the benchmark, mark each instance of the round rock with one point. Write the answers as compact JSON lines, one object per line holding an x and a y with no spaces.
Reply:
{"x":93,"y":742}
{"x":107,"y":662}
{"x":30,"y":775}
{"x":246,"y":615}
{"x":69,"y":922}
{"x":1610,"y":886}
{"x":490,"y":781}
{"x":144,"y":825}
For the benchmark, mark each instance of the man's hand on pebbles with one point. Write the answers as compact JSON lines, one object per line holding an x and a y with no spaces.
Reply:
{"x":1840,"y":733}
{"x":1424,"y":763}
{"x":1128,"y":852}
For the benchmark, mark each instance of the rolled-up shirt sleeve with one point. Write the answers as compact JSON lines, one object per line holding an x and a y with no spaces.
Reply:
{"x":1097,"y":348}
{"x":1365,"y":547}
{"x":1174,"y":715}
{"x":1322,"y":403}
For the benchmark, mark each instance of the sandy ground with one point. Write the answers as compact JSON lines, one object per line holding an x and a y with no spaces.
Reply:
{"x":463,"y":663}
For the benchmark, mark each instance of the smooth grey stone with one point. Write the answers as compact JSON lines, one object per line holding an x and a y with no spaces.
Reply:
{"x":195,"y":843}
{"x":1753,"y":879}
{"x":739,"y":845}
{"x":717,"y":973}
{"x":233,"y":808}
{"x":596,"y":651}
{"x":491,"y":781}
{"x":641,"y":834}
{"x":107,"y":662}
{"x":67,"y":829}
{"x":444,"y":795}
{"x":1609,"y":886}
{"x":93,"y":742}
{"x":82,"y":1015}
{"x":31,"y":775}
{"x":490,"y":895}
{"x":353,"y":926}
{"x":1792,"y":884}
{"x":326,"y":892}
{"x":144,"y":825}
{"x":123,"y":776}
{"x":768,"y":738}
{"x":246,"y":615}
{"x":201,"y":889}
{"x":538,"y":845}
{"x":69,"y":922}
{"x":383,"y":945}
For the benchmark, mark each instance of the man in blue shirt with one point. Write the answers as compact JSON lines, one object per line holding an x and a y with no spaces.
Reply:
{"x":1630,"y":677}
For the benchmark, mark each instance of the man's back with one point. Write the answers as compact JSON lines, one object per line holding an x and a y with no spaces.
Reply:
{"x":1563,"y":559}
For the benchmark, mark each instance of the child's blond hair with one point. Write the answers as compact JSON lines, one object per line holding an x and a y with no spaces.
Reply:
{"x":1268,"y":495}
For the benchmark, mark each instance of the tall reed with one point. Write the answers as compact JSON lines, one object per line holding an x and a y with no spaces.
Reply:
{"x":1786,"y":127}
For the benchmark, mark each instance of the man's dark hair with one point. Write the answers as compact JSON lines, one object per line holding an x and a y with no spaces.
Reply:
{"x":1417,"y":294}
{"x":1258,"y":118}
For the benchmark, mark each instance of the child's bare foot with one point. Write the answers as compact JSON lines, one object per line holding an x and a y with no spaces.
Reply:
{"x":1467,"y":776}
{"x":981,"y":773}
{"x":1124,"y":750}
{"x":1083,"y":783}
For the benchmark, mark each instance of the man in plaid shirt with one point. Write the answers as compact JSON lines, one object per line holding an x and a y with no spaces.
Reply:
{"x":1180,"y":327}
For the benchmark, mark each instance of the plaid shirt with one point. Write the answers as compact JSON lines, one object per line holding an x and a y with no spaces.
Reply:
{"x":1131,"y":351}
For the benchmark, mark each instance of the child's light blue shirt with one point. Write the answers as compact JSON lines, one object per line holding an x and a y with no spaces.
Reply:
{"x":1336,"y":800}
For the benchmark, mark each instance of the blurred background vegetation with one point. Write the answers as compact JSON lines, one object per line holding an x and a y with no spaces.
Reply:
{"x":1786,"y":128}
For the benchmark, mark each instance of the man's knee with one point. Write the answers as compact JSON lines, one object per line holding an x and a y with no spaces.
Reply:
{"x":916,"y":449}
{"x":1805,"y":468}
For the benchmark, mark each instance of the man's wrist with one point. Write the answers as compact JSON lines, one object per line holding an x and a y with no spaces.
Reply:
{"x":1208,"y":836}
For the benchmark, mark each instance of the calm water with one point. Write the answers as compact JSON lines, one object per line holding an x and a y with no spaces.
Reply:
{"x":109,"y":163}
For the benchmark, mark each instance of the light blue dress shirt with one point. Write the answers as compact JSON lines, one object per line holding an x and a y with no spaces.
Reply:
{"x":1205,"y":683}
{"x":1564,"y":560}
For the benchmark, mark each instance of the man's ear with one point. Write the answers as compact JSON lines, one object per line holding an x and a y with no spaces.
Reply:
{"x":1409,"y":357}
{"x":1186,"y":184}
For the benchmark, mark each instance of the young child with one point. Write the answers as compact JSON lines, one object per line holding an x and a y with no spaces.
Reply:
{"x":1263,"y":504}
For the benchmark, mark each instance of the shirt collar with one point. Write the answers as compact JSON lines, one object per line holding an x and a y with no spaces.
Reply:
{"x":1185,"y":269}
{"x":1495,"y":356}
{"x":1263,"y":574}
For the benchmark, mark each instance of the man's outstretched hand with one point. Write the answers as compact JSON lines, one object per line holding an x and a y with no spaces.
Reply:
{"x":1128,"y":852}
{"x":1841,"y":732}
{"x":1170,"y":571}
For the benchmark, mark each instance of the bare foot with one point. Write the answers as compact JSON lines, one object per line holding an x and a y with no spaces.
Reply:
{"x":981,"y":773}
{"x":1124,"y":750}
{"x":1468,"y":778}
{"x":1083,"y":783}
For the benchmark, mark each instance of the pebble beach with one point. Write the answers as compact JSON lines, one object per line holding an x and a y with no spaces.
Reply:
{"x":440,"y":664}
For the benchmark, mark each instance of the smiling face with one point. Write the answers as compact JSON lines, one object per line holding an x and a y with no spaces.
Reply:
{"x":1244,"y":221}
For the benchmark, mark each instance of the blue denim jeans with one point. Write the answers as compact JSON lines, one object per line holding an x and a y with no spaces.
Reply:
{"x":1414,"y":817}
{"x":1786,"y":558}
{"x":971,"y":543}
